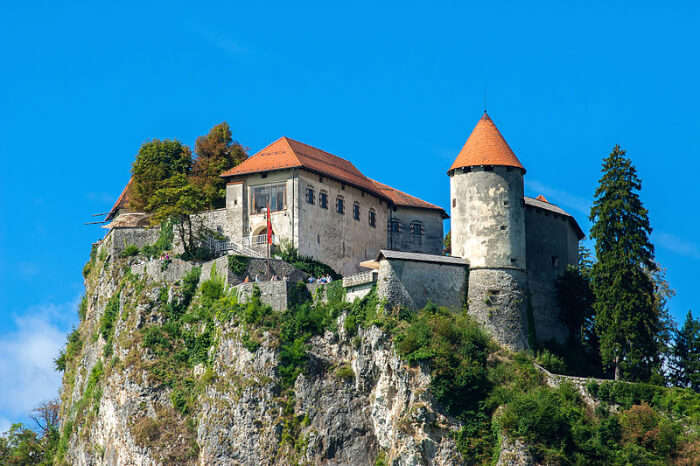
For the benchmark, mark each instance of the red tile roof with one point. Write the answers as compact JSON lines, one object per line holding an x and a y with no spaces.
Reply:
{"x":288,"y":153}
{"x":402,"y":199}
{"x":486,"y":146}
{"x":122,"y":201}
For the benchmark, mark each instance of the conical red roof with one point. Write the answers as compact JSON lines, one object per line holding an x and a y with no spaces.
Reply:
{"x":486,"y":146}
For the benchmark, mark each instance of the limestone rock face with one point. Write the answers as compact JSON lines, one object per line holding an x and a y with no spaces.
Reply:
{"x":355,"y":402}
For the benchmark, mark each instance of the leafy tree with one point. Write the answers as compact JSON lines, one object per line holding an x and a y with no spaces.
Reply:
{"x":216,"y":153}
{"x":156,"y":162}
{"x":447,"y":244}
{"x":627,"y":319}
{"x":22,"y":446}
{"x":685,"y":361}
{"x":177,"y":200}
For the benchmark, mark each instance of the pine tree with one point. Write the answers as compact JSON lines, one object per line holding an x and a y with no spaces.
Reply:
{"x":685,"y":361}
{"x":216,"y":153}
{"x":627,"y":320}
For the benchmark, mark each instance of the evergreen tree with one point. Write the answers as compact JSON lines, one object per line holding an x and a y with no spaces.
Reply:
{"x":685,"y":361}
{"x":627,"y":319}
{"x":156,"y":162}
{"x":216,"y":153}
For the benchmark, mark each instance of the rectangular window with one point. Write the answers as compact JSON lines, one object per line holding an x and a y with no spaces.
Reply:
{"x":372,"y":218}
{"x":310,"y":198}
{"x":272,"y":194}
{"x":356,"y":211}
{"x":323,"y":199}
{"x":395,"y":226}
{"x":340,"y":205}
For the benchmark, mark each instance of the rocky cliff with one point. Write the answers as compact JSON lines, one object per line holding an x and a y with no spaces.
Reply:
{"x":162,"y":372}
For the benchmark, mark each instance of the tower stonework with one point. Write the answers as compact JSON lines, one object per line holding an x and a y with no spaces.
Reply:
{"x":488,"y":230}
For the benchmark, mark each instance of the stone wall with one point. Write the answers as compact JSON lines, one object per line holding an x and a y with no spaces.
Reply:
{"x":412,"y":283}
{"x":338,"y":240}
{"x":272,"y":293}
{"x":359,"y":285}
{"x":429,"y":242}
{"x":488,"y":217}
{"x":552,"y":245}
{"x":498,"y":301}
{"x":117,"y":239}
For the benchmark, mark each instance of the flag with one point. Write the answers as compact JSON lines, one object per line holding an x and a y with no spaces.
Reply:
{"x":269,"y":225}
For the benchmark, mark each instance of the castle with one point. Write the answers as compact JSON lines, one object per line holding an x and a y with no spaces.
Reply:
{"x":507,"y":249}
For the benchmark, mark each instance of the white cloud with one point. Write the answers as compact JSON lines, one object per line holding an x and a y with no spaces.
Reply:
{"x":559,"y":197}
{"x":675,"y":244}
{"x":26,"y":366}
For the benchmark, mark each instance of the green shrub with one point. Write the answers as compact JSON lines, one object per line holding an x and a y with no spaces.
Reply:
{"x":163,"y":243}
{"x":238,"y":264}
{"x":129,"y":251}
{"x":551,"y":362}
{"x":345,"y":372}
{"x":82,"y":308}
{"x":456,"y":349}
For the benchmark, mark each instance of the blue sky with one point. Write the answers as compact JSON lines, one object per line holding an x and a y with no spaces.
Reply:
{"x":395,"y":88}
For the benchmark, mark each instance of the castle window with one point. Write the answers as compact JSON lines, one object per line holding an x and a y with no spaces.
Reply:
{"x":356,"y":211}
{"x":273,"y":195}
{"x":372,"y":218}
{"x":320,"y":179}
{"x":394,"y":225}
{"x":416,"y":229}
{"x":310,"y":198}
{"x":323,"y":199}
{"x":340,"y":205}
{"x":454,"y":202}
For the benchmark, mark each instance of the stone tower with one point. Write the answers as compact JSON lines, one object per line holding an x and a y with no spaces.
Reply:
{"x":488,"y":230}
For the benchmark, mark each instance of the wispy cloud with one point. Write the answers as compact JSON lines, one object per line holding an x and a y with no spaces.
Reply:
{"x":677,"y":245}
{"x":26,"y":367}
{"x":563,"y":198}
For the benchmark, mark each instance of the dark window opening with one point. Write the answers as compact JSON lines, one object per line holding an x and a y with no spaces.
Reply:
{"x":310,"y":198}
{"x":488,"y":168}
{"x":395,"y":226}
{"x":454,"y":202}
{"x":372,"y":218}
{"x":555,"y":261}
{"x":340,"y":205}
{"x":323,"y":199}
{"x":356,"y":211}
{"x":503,"y":227}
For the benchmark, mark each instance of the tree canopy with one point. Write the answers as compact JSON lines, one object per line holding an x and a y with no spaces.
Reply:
{"x":216,"y":153}
{"x":156,"y":162}
{"x":627,"y":319}
{"x":685,"y":360}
